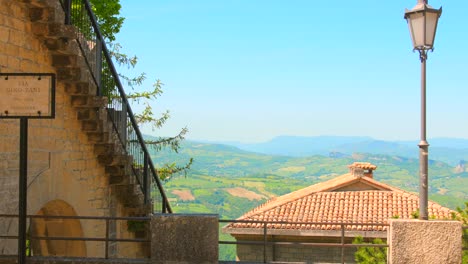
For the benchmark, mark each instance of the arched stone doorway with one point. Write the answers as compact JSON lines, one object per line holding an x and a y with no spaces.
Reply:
{"x":57,"y":228}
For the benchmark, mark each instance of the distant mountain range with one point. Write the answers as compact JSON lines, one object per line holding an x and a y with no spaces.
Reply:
{"x":449,"y":150}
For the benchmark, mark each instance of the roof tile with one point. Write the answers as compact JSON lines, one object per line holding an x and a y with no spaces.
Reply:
{"x":322,"y":203}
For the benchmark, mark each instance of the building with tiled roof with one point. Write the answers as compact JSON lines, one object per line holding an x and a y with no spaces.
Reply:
{"x":317,"y":213}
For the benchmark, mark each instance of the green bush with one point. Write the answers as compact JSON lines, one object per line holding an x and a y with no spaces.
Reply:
{"x":370,"y":255}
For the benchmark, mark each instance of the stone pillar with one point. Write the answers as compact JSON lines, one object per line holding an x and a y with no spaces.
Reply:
{"x":184,"y":238}
{"x":424,"y":242}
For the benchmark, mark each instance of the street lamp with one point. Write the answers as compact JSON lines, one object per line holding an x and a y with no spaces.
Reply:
{"x":422,"y":22}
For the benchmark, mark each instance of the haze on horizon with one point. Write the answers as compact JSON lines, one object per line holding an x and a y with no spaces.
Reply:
{"x":249,"y":71}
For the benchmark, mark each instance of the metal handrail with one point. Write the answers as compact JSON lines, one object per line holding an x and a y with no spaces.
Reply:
{"x":106,"y":239}
{"x":300,"y":223}
{"x":342,"y":244}
{"x":105,"y":76}
{"x":465,"y":237}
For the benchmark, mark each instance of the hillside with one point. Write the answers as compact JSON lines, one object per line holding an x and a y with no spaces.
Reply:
{"x":230,"y":181}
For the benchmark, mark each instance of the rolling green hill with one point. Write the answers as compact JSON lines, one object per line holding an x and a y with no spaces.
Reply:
{"x":228,"y":181}
{"x":219,"y":168}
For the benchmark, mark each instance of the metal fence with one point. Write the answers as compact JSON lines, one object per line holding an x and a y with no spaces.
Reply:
{"x":465,"y":240}
{"x":104,"y":75}
{"x":268,"y":226}
{"x":109,"y":239}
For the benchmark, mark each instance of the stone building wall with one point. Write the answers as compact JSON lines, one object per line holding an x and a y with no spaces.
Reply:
{"x":64,"y":174}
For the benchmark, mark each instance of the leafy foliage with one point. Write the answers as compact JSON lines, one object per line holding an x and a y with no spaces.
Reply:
{"x":107,"y":14}
{"x":370,"y":255}
{"x":415,"y":214}
{"x":108,"y":17}
{"x":135,"y":225}
{"x":462,"y":214}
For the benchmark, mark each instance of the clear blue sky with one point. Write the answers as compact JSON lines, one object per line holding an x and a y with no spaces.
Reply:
{"x":250,"y":70}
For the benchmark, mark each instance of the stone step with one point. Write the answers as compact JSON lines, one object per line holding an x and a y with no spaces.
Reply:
{"x":104,"y":148}
{"x":115,"y":159}
{"x":41,"y":3}
{"x":137,"y":212}
{"x":78,"y":88}
{"x":79,"y":100}
{"x":58,"y":45}
{"x":128,"y":191}
{"x":70,"y":68}
{"x":118,"y":179}
{"x":136,"y":203}
{"x":39,"y":14}
{"x":88,"y":114}
{"x":88,"y":101}
{"x":119,"y":169}
{"x":53,"y":30}
{"x":97,"y":137}
{"x":92,"y":126}
{"x":71,"y":74}
{"x":96,"y":115}
{"x":133,"y":201}
{"x":47,"y":12}
{"x":62,"y":46}
{"x":125,"y":190}
{"x":64,"y":60}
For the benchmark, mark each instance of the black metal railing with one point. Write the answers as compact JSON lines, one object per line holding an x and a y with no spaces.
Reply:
{"x":103,"y":73}
{"x":266,"y":233}
{"x":465,"y":239}
{"x":107,"y":237}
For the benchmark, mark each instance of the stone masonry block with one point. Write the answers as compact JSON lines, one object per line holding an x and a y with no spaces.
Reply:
{"x":13,"y":62}
{"x":183,"y":238}
{"x":4,"y":34}
{"x":3,"y":61}
{"x":17,"y":37}
{"x":7,"y":8}
{"x":28,"y":66}
{"x":15,"y":23}
{"x":424,"y":242}
{"x":11,"y":50}
{"x":37,"y":14}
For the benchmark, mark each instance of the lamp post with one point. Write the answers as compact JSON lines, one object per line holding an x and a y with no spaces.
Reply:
{"x":422,"y":22}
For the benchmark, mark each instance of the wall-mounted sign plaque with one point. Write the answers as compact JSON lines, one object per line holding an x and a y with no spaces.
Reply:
{"x":30,"y":95}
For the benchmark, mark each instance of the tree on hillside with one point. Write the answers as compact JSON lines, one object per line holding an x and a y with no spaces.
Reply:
{"x":108,"y":16}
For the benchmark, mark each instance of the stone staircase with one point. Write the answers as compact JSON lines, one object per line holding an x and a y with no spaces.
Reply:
{"x":72,"y":71}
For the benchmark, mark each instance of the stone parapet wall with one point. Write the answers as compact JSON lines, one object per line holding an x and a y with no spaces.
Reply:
{"x":425,"y":242}
{"x":184,"y":239}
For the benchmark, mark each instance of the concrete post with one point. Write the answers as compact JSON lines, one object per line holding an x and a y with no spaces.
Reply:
{"x":424,"y":242}
{"x":184,"y":238}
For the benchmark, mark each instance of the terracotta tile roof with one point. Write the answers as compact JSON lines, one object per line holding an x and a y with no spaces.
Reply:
{"x":325,"y":202}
